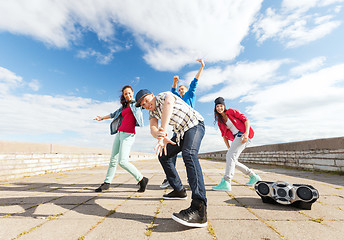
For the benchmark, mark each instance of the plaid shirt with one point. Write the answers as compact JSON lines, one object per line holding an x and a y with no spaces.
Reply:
{"x":183,"y":116}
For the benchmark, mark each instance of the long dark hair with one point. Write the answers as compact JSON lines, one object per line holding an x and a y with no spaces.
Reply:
{"x":218,"y":116}
{"x":123,"y":101}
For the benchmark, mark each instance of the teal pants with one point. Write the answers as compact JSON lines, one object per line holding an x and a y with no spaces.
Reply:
{"x":120,"y":155}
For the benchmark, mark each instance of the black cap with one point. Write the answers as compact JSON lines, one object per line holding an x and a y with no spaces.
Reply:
{"x":140,"y":95}
{"x":219,"y":100}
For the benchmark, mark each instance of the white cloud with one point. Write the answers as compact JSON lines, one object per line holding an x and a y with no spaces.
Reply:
{"x":338,"y":9}
{"x":46,"y":21}
{"x":43,"y":114}
{"x":294,"y":24}
{"x":8,"y":80}
{"x":100,"y":57}
{"x":66,"y":120}
{"x":210,"y":29}
{"x":34,"y":85}
{"x":237,"y":80}
{"x":39,"y":115}
{"x":300,"y":109}
{"x":309,"y":66}
{"x":305,"y":5}
{"x":300,"y":35}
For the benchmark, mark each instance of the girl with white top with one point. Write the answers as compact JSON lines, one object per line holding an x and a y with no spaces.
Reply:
{"x":235,"y":127}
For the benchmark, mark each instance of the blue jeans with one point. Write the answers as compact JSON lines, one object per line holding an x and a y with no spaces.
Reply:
{"x":189,"y":146}
{"x":174,"y":161}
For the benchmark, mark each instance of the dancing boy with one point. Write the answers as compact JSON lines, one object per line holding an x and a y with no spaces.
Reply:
{"x":189,"y":130}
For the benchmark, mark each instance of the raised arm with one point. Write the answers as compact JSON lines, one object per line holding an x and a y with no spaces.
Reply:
{"x":201,"y":69}
{"x":175,"y":81}
{"x":174,"y":86}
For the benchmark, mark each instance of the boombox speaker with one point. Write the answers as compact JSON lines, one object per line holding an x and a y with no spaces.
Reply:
{"x":297,"y":195}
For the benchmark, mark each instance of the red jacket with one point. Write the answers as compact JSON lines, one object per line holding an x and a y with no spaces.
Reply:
{"x":238,"y":119}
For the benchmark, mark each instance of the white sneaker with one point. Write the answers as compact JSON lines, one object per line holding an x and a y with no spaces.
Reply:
{"x":165,"y":184}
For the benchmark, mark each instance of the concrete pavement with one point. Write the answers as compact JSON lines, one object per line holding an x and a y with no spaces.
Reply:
{"x":64,"y":206}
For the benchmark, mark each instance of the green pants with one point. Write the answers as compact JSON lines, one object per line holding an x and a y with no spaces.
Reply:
{"x":120,"y":155}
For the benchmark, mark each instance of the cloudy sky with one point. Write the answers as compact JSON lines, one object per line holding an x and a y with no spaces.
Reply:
{"x":63,"y":62}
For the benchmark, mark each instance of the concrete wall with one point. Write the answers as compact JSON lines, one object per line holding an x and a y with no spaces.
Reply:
{"x":19,"y":159}
{"x":321,"y":154}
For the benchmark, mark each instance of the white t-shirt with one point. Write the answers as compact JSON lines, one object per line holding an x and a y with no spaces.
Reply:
{"x":231,"y":127}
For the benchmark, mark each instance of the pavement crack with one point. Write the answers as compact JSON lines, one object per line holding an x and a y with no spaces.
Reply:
{"x":152,"y":225}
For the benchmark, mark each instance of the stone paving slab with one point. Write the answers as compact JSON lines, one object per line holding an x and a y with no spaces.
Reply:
{"x":64,"y":206}
{"x":243,"y":229}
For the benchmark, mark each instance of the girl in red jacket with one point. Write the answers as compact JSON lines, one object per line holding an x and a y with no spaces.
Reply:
{"x":235,"y":127}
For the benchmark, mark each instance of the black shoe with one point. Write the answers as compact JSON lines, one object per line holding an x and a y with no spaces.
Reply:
{"x":104,"y":186}
{"x":176,"y":195}
{"x":194,"y":216}
{"x":143,"y":184}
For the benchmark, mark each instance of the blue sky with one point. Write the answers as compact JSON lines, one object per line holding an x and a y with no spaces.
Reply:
{"x":64,"y":62}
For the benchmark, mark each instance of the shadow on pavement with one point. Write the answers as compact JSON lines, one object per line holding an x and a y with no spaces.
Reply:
{"x":84,"y":203}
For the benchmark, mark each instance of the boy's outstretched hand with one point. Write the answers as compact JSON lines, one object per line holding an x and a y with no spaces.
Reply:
{"x":160,"y":148}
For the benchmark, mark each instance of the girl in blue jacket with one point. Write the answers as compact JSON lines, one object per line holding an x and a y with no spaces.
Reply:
{"x":123,"y":125}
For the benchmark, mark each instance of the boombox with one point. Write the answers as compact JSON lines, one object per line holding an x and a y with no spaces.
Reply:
{"x":298,"y":195}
